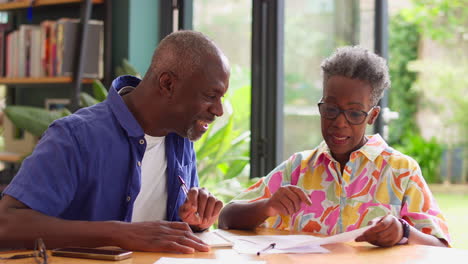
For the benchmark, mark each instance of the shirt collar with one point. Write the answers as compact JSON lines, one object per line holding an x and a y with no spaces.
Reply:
{"x":374,"y":146}
{"x":372,"y":149}
{"x":120,"y":109}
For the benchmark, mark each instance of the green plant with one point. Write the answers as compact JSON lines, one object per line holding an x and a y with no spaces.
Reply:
{"x":442,"y":20}
{"x":403,"y":46}
{"x":36,"y":120}
{"x":126,"y":69}
{"x":222,"y":154}
{"x":426,"y":152}
{"x":99,"y":92}
{"x":33,"y":119}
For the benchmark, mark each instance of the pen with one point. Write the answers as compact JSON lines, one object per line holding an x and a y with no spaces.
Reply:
{"x":185,"y":190}
{"x":183,"y":185}
{"x":271,"y":246}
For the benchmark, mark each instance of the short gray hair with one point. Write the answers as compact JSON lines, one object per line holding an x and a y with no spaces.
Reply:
{"x":182,"y":52}
{"x":358,"y":63}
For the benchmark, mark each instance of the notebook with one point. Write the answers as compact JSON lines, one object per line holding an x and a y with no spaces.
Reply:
{"x":214,"y":239}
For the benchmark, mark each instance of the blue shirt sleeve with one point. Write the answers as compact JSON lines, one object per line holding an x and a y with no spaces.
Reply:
{"x":48,"y":178}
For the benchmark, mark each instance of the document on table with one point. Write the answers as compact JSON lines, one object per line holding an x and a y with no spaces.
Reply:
{"x":214,"y":239}
{"x":291,"y":243}
{"x":204,"y":261}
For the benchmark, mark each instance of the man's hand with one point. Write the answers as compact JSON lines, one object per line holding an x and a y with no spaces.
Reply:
{"x":201,"y":209}
{"x":386,"y":232}
{"x":286,"y":201}
{"x":160,"y":236}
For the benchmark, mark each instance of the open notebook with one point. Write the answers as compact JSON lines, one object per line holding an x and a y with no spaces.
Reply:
{"x":214,"y":239}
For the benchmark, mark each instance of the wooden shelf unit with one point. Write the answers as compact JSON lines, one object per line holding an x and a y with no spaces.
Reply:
{"x":25,"y":3}
{"x":40,"y":80}
{"x":10,"y":157}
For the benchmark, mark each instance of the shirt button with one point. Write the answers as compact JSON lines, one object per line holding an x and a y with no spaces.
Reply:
{"x":139,"y":163}
{"x":142,"y":141}
{"x":129,"y":198}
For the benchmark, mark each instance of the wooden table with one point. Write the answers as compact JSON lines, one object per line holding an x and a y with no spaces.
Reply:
{"x":340,"y":253}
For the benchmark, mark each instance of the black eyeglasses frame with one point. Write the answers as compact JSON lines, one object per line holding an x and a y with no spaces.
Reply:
{"x":340,"y":111}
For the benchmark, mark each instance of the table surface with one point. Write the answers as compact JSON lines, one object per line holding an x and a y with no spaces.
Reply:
{"x":351,"y":252}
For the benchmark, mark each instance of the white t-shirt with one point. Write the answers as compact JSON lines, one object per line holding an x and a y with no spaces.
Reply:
{"x":150,"y":204}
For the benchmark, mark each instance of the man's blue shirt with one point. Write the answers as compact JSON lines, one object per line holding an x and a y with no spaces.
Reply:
{"x":87,"y":165}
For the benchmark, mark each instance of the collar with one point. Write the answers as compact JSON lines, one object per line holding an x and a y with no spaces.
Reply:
{"x":120,"y":109}
{"x":125,"y":90}
{"x":372,"y":149}
{"x":374,"y":146}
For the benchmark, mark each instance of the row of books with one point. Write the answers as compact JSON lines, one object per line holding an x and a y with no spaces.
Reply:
{"x":50,"y":49}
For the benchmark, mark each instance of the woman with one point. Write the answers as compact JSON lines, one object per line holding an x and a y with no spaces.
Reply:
{"x":350,"y":180}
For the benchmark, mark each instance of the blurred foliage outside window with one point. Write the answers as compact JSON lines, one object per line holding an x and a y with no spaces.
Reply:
{"x":428,"y":62}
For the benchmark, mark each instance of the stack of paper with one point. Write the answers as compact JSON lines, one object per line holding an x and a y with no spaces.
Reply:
{"x":291,"y":243}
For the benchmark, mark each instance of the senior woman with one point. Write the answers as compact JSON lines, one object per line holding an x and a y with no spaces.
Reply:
{"x":350,"y":180}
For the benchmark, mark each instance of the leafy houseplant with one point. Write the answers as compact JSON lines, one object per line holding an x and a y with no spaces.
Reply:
{"x":426,"y":152}
{"x":36,"y":120}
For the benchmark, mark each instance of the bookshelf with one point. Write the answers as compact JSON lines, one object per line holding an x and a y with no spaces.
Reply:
{"x":10,"y":157}
{"x":72,"y":77}
{"x":37,"y":3}
{"x":35,"y":91}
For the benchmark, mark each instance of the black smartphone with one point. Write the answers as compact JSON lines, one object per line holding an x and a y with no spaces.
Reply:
{"x":92,"y":253}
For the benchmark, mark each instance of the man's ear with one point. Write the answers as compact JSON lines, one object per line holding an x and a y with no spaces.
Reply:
{"x":373,"y":115}
{"x":166,"y":84}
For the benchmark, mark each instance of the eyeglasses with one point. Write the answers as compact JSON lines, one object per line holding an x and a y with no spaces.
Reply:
{"x":331,"y":112}
{"x":39,"y":254}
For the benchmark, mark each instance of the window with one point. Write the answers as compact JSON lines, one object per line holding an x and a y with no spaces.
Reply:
{"x":313,"y":30}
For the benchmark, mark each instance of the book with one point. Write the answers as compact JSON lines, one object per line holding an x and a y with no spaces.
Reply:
{"x":8,"y":55}
{"x":29,"y":50}
{"x":47,"y":30}
{"x":12,"y":54}
{"x":51,"y":49}
{"x":2,"y":52}
{"x":35,"y":69}
{"x":67,"y":43}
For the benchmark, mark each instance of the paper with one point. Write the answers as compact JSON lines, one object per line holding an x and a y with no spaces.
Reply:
{"x":204,"y":261}
{"x":284,"y":244}
{"x":292,"y":243}
{"x":214,"y":239}
{"x":339,"y":238}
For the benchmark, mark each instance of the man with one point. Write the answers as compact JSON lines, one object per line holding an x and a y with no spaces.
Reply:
{"x":350,"y":180}
{"x":112,"y":173}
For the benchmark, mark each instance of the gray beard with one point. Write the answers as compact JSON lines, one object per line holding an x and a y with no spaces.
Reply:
{"x":191,"y":134}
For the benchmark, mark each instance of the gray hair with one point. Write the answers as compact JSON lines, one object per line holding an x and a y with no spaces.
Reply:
{"x":358,"y":63}
{"x":182,"y":53}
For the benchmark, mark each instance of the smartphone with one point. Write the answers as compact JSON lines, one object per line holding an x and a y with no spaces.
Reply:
{"x":92,"y":253}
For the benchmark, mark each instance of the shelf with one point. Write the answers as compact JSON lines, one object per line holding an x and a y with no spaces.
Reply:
{"x":40,"y":80}
{"x":25,"y":4}
{"x":10,"y":157}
